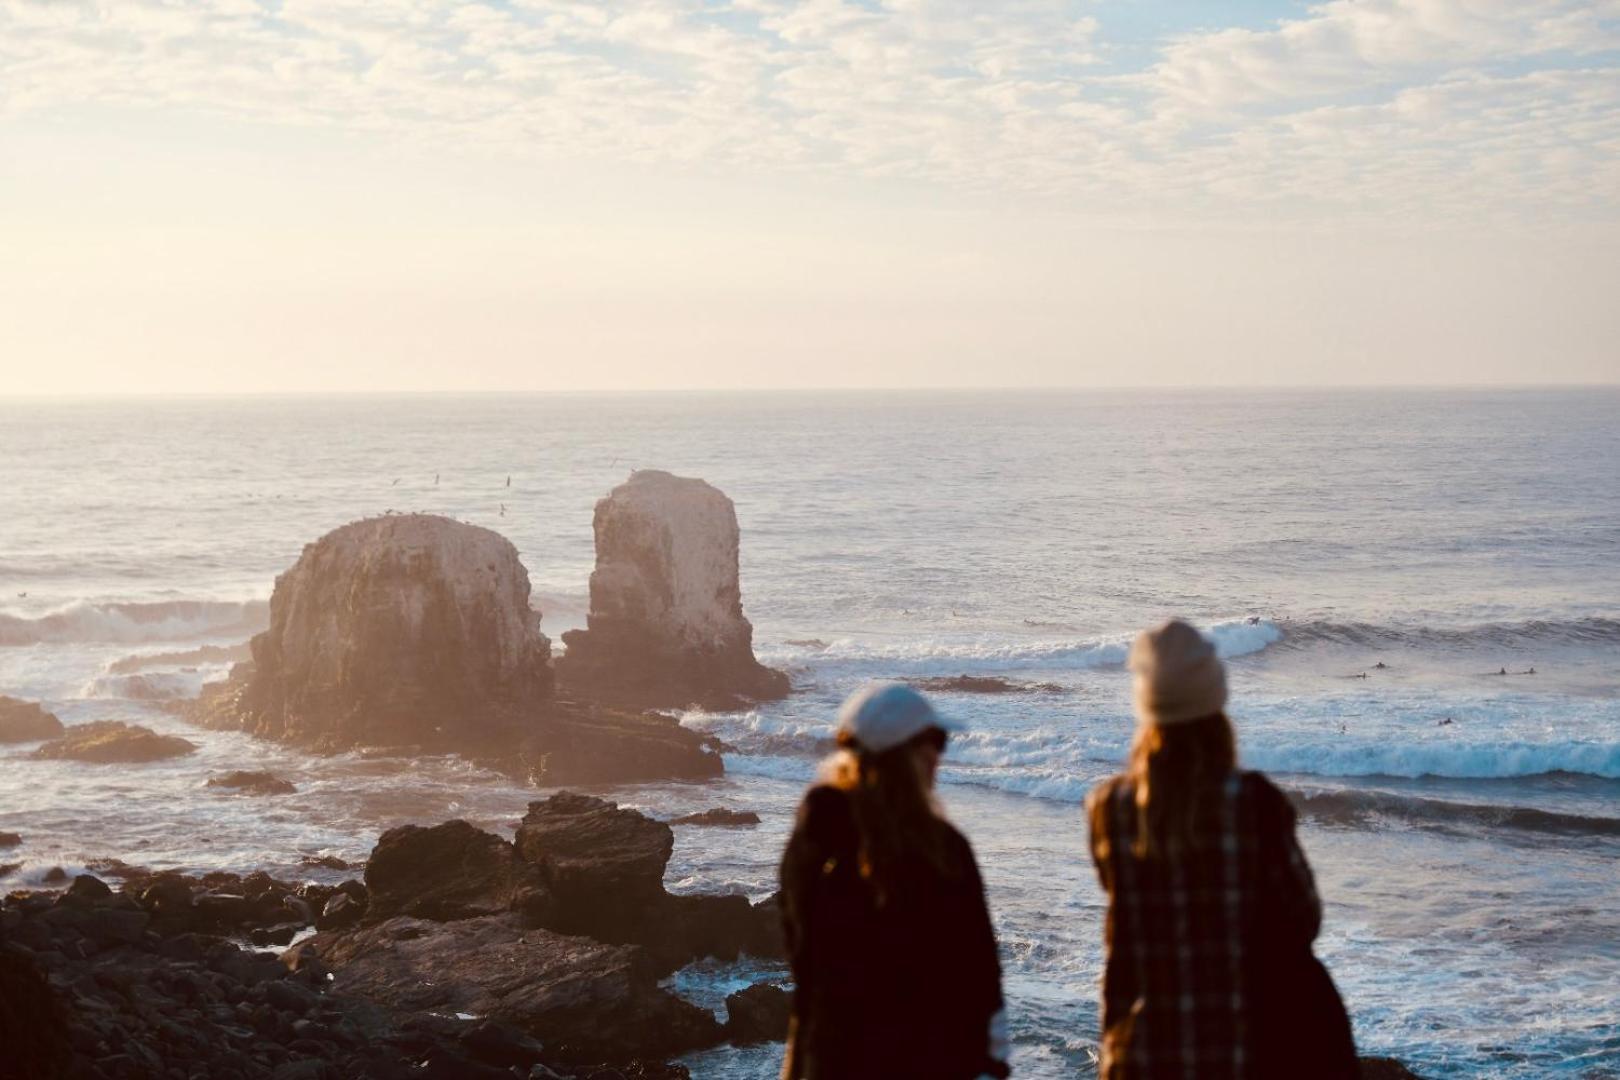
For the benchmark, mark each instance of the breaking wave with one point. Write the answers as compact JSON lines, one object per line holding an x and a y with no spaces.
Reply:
{"x":937,"y":656}
{"x":1462,"y":761}
{"x":1362,"y":807}
{"x":169,"y":620}
{"x":1510,"y":635}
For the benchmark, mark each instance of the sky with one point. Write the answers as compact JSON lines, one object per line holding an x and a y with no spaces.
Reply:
{"x":228,"y":196}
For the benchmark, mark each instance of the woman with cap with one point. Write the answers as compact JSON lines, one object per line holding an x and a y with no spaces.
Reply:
{"x":1211,"y":905}
{"x":893,"y":956}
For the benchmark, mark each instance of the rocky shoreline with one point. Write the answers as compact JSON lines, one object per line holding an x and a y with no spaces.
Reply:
{"x":459,"y":954}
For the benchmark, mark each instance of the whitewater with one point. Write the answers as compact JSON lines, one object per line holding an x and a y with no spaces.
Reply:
{"x":1417,"y":593}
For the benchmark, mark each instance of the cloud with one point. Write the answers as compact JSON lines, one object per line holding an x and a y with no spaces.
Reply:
{"x":1381,"y":107}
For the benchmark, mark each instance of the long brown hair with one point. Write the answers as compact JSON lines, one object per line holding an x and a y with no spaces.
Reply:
{"x":895,"y":813}
{"x":1174,"y":769}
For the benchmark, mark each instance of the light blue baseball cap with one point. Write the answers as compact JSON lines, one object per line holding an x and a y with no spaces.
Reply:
{"x":882,"y":715}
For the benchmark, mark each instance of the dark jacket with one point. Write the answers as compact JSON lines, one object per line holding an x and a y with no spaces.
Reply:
{"x":1209,"y":970}
{"x":906,"y":989}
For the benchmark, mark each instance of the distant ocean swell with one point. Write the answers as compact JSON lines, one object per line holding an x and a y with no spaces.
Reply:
{"x":168,"y":620}
{"x":1596,"y":630}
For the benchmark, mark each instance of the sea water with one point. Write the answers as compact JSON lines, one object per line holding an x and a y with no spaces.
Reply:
{"x":1368,"y":562}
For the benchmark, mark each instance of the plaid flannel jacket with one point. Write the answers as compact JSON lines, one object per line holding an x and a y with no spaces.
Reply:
{"x":1181,"y":936}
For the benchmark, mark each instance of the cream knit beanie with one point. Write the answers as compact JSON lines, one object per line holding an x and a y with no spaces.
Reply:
{"x":1178,"y":675}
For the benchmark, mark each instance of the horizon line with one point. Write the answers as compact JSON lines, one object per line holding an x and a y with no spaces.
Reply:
{"x":88,"y":395}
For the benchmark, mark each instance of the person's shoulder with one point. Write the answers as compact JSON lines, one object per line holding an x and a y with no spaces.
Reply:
{"x":1106,"y":791}
{"x":825,"y":809}
{"x":1267,"y":795}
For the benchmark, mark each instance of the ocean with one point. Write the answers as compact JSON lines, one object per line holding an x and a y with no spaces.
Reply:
{"x":1369,"y":562}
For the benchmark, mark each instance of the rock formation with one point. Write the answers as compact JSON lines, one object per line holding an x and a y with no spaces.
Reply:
{"x":719,"y":818}
{"x":450,"y":871}
{"x":666,"y":627}
{"x":108,"y":742}
{"x":252,"y":783}
{"x":758,"y":1014}
{"x":408,"y":630}
{"x":416,"y":631}
{"x":25,"y":721}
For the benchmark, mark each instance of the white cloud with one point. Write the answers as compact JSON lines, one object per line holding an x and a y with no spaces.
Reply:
{"x":1382,"y":107}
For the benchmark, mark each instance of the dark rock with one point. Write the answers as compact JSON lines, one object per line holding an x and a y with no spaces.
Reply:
{"x":112,"y":742}
{"x":167,"y":895}
{"x":282,"y":935}
{"x":25,"y":721}
{"x":252,"y":783}
{"x":666,"y":626}
{"x":55,"y":876}
{"x":9,"y":840}
{"x":326,"y":862}
{"x":402,"y":630}
{"x":502,"y":1046}
{"x":449,"y":871}
{"x":981,"y":684}
{"x":758,"y":1014}
{"x":589,"y":743}
{"x":1384,"y":1068}
{"x":583,"y":999}
{"x":605,"y":865}
{"x":87,"y":889}
{"x":719,"y":817}
{"x":340,"y":911}
{"x":33,"y":1024}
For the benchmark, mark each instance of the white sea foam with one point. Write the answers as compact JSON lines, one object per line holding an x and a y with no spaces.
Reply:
{"x":982,"y":653}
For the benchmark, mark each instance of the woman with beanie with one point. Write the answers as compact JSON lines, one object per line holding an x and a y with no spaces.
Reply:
{"x":1211,"y":905}
{"x":893,"y":956}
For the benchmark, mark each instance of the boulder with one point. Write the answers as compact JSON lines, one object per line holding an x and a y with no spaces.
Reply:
{"x":666,"y":626}
{"x":25,"y":721}
{"x":33,"y":1022}
{"x":252,"y":783}
{"x":605,"y":868}
{"x":584,"y":1000}
{"x":110,"y":742}
{"x":758,"y":1014}
{"x":588,"y":743}
{"x":450,"y":871}
{"x":402,"y":630}
{"x":719,"y":817}
{"x":604,"y":865}
{"x":9,"y":840}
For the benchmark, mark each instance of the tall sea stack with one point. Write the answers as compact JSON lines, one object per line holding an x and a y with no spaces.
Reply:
{"x":400,"y":630}
{"x":666,"y":627}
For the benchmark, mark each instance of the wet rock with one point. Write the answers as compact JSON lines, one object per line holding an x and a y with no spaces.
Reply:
{"x":402,"y":630}
{"x":33,"y":1024}
{"x":719,"y":817}
{"x":326,"y":862}
{"x":583,"y":999}
{"x":55,"y":876}
{"x":340,"y":911}
{"x":588,"y":743}
{"x":114,"y":742}
{"x":605,"y":865}
{"x":9,"y":840}
{"x":450,"y":871}
{"x":1384,"y":1068}
{"x":758,"y":1014}
{"x":87,"y":889}
{"x":666,"y":626}
{"x":252,"y":783}
{"x":26,"y":721}
{"x":981,"y":684}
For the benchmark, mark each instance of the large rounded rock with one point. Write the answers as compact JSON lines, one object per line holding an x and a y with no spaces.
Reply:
{"x":450,"y":871}
{"x":397,"y":631}
{"x":605,"y":866}
{"x":109,"y":742}
{"x":25,"y":721}
{"x":666,"y":627}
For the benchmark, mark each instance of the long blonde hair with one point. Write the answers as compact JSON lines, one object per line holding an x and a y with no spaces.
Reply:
{"x":895,"y":813}
{"x":1174,"y":769}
